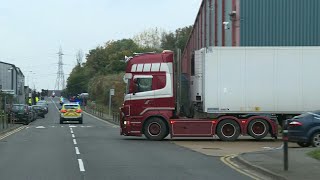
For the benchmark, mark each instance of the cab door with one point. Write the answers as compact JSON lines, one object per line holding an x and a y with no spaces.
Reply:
{"x":142,"y":97}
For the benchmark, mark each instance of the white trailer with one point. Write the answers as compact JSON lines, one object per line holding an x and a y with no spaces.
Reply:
{"x":240,"y":80}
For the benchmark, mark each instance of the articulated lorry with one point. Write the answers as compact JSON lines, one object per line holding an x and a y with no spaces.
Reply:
{"x":228,"y":92}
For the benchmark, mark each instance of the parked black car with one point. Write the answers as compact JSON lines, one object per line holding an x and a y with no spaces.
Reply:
{"x":305,"y":129}
{"x":21,"y":113}
{"x":41,"y":110}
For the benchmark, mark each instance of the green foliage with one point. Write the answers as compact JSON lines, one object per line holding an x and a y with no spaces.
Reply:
{"x":77,"y":82}
{"x":99,"y":88}
{"x":150,"y":38}
{"x":315,"y":154}
{"x":177,"y":39}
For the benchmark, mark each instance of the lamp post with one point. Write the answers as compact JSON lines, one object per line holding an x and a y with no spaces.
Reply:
{"x":28,"y":78}
{"x":11,"y":70}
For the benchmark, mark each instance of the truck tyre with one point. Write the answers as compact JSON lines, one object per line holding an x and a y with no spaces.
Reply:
{"x":315,"y":141}
{"x":80,"y":121}
{"x":228,"y":130}
{"x":303,"y":144}
{"x":155,"y":129}
{"x":258,"y":128}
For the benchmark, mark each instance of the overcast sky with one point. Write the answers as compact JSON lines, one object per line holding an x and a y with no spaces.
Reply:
{"x":31,"y":31}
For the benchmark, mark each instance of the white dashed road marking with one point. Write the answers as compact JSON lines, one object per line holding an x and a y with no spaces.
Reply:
{"x":40,"y":127}
{"x":73,"y":135}
{"x":77,"y":150}
{"x":81,"y":166}
{"x":74,"y":141}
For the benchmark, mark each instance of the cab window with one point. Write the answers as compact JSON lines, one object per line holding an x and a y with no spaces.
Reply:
{"x":143,"y":84}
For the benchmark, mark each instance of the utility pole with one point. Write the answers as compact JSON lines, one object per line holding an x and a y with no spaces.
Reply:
{"x":60,"y":83}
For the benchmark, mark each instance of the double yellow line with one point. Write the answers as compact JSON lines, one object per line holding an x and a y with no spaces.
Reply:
{"x":11,"y":132}
{"x":227,"y":160}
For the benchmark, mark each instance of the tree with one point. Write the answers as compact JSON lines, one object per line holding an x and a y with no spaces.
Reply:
{"x":177,"y":39}
{"x":78,"y":81}
{"x":150,"y":38}
{"x":79,"y":57}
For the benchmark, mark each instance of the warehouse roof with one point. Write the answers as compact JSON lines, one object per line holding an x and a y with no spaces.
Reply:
{"x":15,"y":67}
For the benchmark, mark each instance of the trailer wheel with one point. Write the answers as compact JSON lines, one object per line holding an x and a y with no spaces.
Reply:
{"x":155,"y":129}
{"x":228,"y":130}
{"x":258,"y":128}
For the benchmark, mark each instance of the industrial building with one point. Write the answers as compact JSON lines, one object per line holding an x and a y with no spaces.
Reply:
{"x":12,"y":82}
{"x":253,"y":23}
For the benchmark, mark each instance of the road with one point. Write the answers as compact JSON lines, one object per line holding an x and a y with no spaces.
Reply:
{"x":94,"y":150}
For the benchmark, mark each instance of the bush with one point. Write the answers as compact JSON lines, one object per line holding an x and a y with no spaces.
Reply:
{"x":99,"y":88}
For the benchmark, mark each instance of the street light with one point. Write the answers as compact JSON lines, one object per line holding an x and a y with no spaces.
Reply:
{"x":11,"y":70}
{"x":28,"y":80}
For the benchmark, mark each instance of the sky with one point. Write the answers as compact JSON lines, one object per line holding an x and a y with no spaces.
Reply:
{"x":31,"y":31}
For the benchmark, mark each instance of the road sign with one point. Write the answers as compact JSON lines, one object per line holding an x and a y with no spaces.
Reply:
{"x":4,"y":91}
{"x":111,"y":92}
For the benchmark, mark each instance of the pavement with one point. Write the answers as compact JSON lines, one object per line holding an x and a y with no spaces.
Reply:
{"x":9,"y":127}
{"x":271,"y":163}
{"x":94,"y":150}
{"x":215,"y":147}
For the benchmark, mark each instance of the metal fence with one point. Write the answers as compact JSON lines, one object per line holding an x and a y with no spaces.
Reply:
{"x":6,"y":120}
{"x":102,"y":113}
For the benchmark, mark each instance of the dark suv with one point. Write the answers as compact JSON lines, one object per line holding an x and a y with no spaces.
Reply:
{"x":21,"y":113}
{"x":305,"y":129}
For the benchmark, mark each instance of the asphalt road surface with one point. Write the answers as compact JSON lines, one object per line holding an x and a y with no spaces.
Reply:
{"x":94,"y":150}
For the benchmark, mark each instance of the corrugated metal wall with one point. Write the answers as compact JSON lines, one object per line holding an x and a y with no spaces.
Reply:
{"x":16,"y":83}
{"x":209,"y":30}
{"x":280,"y":23}
{"x":5,"y":77}
{"x":255,"y":23}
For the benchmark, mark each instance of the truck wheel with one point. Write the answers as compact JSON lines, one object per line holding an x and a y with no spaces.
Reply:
{"x":303,"y":144}
{"x":155,"y":129}
{"x":228,"y":130}
{"x":61,"y":121}
{"x":315,"y":141}
{"x":80,"y":121}
{"x":258,"y":128}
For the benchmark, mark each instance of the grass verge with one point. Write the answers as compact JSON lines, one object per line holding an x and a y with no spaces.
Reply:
{"x":315,"y":154}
